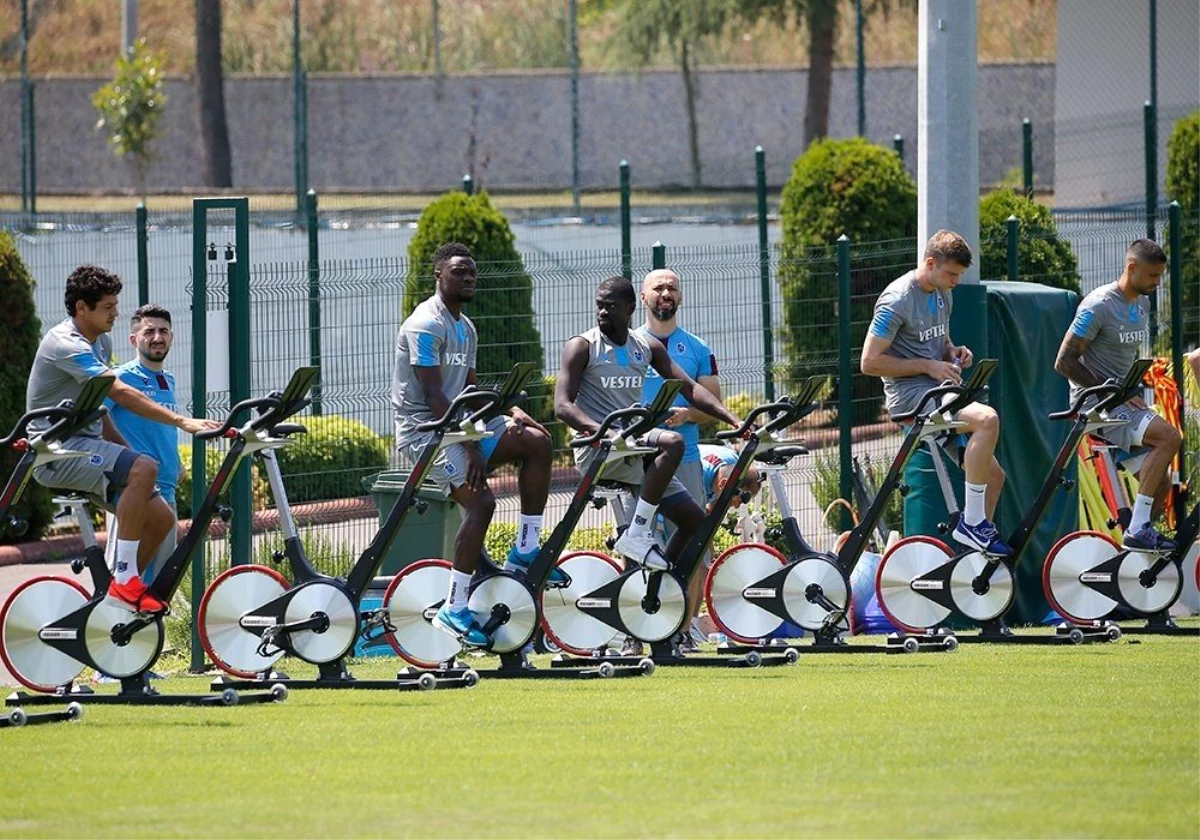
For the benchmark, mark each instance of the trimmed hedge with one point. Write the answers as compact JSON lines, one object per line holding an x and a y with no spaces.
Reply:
{"x":1044,"y":257}
{"x":20,"y":333}
{"x":1183,"y":185}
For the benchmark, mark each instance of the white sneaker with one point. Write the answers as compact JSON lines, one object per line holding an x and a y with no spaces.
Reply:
{"x":641,"y":548}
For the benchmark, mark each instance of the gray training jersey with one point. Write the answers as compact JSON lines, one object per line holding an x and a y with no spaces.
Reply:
{"x":918,"y":323}
{"x":1115,"y":329}
{"x":614,"y":374}
{"x":64,"y":361}
{"x":430,"y":337}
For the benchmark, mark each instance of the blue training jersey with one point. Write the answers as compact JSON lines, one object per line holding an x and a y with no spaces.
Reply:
{"x":712,"y":458}
{"x":696,"y":359}
{"x":150,"y":437}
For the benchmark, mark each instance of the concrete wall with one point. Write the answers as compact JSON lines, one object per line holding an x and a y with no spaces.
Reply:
{"x":1102,"y":82}
{"x":394,"y":133}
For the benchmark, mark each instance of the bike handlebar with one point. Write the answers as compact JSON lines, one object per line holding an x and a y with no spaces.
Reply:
{"x":271,"y":402}
{"x":642,"y":412}
{"x":785,"y":407}
{"x":934,"y":393}
{"x":58,"y":413}
{"x":1108,"y":392}
{"x":470,"y":395}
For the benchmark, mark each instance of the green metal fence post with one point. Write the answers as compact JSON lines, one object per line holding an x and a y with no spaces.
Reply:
{"x":626,"y":224}
{"x":764,"y":273}
{"x":658,"y":256}
{"x":898,"y":145}
{"x":26,"y":117}
{"x":1175,"y":243}
{"x":1151,"y":140}
{"x":845,"y":375}
{"x":143,"y":260}
{"x":468,"y":185}
{"x":314,"y":295}
{"x":1027,"y":156}
{"x":1013,"y":251}
{"x":29,"y":95}
{"x":239,"y":381}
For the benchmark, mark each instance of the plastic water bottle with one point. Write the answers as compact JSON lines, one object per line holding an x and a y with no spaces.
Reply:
{"x":718,"y":638}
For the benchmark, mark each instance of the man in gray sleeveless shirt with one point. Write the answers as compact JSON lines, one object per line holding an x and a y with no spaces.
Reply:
{"x":908,"y":345}
{"x":435,"y":360}
{"x":603,"y":370}
{"x":113,"y":475}
{"x":1103,"y":342}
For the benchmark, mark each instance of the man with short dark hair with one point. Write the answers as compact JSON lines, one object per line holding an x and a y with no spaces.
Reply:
{"x":113,"y":475}
{"x":1105,"y":339}
{"x":151,"y":336}
{"x":908,"y":345}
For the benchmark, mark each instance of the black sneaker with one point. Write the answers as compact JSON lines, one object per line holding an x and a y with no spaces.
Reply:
{"x":1147,"y":539}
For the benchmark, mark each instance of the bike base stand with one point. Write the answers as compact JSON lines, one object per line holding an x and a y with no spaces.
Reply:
{"x":515,"y":666}
{"x":1161,"y":625}
{"x":19,"y":717}
{"x":136,"y":691}
{"x":1065,"y":633}
{"x":334,"y":675}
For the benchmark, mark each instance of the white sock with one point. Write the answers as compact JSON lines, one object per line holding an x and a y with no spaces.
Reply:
{"x":1142,"y":506}
{"x":529,"y":531}
{"x":459,"y":583}
{"x":127,"y":551}
{"x":643,"y":517}
{"x":975,"y":511}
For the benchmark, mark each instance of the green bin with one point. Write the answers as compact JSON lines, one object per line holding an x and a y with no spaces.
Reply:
{"x":422,"y":536}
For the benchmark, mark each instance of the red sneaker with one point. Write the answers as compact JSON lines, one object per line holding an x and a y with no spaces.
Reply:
{"x":134,"y":596}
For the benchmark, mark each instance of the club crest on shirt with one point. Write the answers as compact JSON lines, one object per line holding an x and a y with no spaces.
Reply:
{"x":637,"y":355}
{"x":679,"y":347}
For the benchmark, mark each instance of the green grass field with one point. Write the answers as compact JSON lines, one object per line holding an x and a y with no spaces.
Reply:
{"x":1094,"y":741}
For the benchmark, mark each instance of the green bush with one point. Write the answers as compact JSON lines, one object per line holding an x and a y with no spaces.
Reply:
{"x":214,"y":454}
{"x":1044,"y":257}
{"x":331,"y":460}
{"x":838,"y":187}
{"x":1183,"y":185}
{"x":20,"y":332}
{"x":503,"y":307}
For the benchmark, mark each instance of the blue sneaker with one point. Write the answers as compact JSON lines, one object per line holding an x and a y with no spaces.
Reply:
{"x":519,"y":564}
{"x":1147,"y":539}
{"x":461,"y":624}
{"x":982,"y":536}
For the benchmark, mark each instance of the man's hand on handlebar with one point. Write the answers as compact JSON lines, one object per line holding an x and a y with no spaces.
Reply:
{"x":940,"y":371}
{"x":192,"y":425}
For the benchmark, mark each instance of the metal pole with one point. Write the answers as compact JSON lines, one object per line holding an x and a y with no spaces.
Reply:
{"x":573,"y":24}
{"x":129,"y":11}
{"x":764,"y":274}
{"x":626,"y":224}
{"x":299,"y":112}
{"x":845,"y":375}
{"x":26,"y":117}
{"x":1151,"y":140}
{"x":898,"y":145}
{"x":658,"y":256}
{"x":437,"y":45}
{"x":468,"y":185}
{"x":31,"y":105}
{"x":199,"y":406}
{"x":1175,"y":243}
{"x":1027,"y":156}
{"x":1014,"y":248}
{"x":861,"y":74}
{"x":241,"y":530}
{"x":314,"y":296}
{"x":143,"y":261}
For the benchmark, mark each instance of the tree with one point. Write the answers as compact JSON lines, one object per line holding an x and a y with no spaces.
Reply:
{"x":681,"y":24}
{"x":131,"y":106}
{"x":210,"y":94}
{"x":1183,"y":185}
{"x":20,"y":331}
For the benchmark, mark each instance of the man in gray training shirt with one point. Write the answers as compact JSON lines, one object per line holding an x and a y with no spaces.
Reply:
{"x":908,"y":345}
{"x":1103,"y":342}
{"x":435,"y":360}
{"x":604,"y":370}
{"x":113,"y":475}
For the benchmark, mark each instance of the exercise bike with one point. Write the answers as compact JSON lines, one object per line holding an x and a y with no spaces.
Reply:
{"x":922,"y":581}
{"x":250,"y":616}
{"x":651,"y":606}
{"x":754,"y":588}
{"x":1088,"y":576}
{"x":43,"y":449}
{"x":53,"y":627}
{"x":512,"y":606}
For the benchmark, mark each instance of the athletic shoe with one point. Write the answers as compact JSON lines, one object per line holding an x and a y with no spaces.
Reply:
{"x":519,"y":564}
{"x":134,"y":597}
{"x":642,"y":549}
{"x":684,"y":643}
{"x":632,"y":647}
{"x":982,"y":536}
{"x":461,"y":624}
{"x":1147,"y":539}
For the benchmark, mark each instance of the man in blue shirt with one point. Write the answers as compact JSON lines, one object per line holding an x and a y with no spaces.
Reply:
{"x":662,"y":296}
{"x":151,"y":337}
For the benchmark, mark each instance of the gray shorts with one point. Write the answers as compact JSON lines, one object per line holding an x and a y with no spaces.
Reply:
{"x":1128,"y":437}
{"x":100,"y":476}
{"x":449,"y":467}
{"x":629,"y":471}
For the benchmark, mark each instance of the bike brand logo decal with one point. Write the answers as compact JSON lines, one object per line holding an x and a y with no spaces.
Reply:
{"x":593,"y":603}
{"x":1095,"y":577}
{"x":48,"y":633}
{"x":761,"y":592}
{"x":259,"y":621}
{"x":928,"y":584}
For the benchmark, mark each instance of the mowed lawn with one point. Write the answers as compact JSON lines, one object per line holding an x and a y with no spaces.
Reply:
{"x":1097,"y":741}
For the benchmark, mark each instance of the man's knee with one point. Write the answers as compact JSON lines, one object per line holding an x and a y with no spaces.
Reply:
{"x":143,"y":472}
{"x":536,"y":445}
{"x":1163,"y":436}
{"x":986,"y":419}
{"x":671,"y":444}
